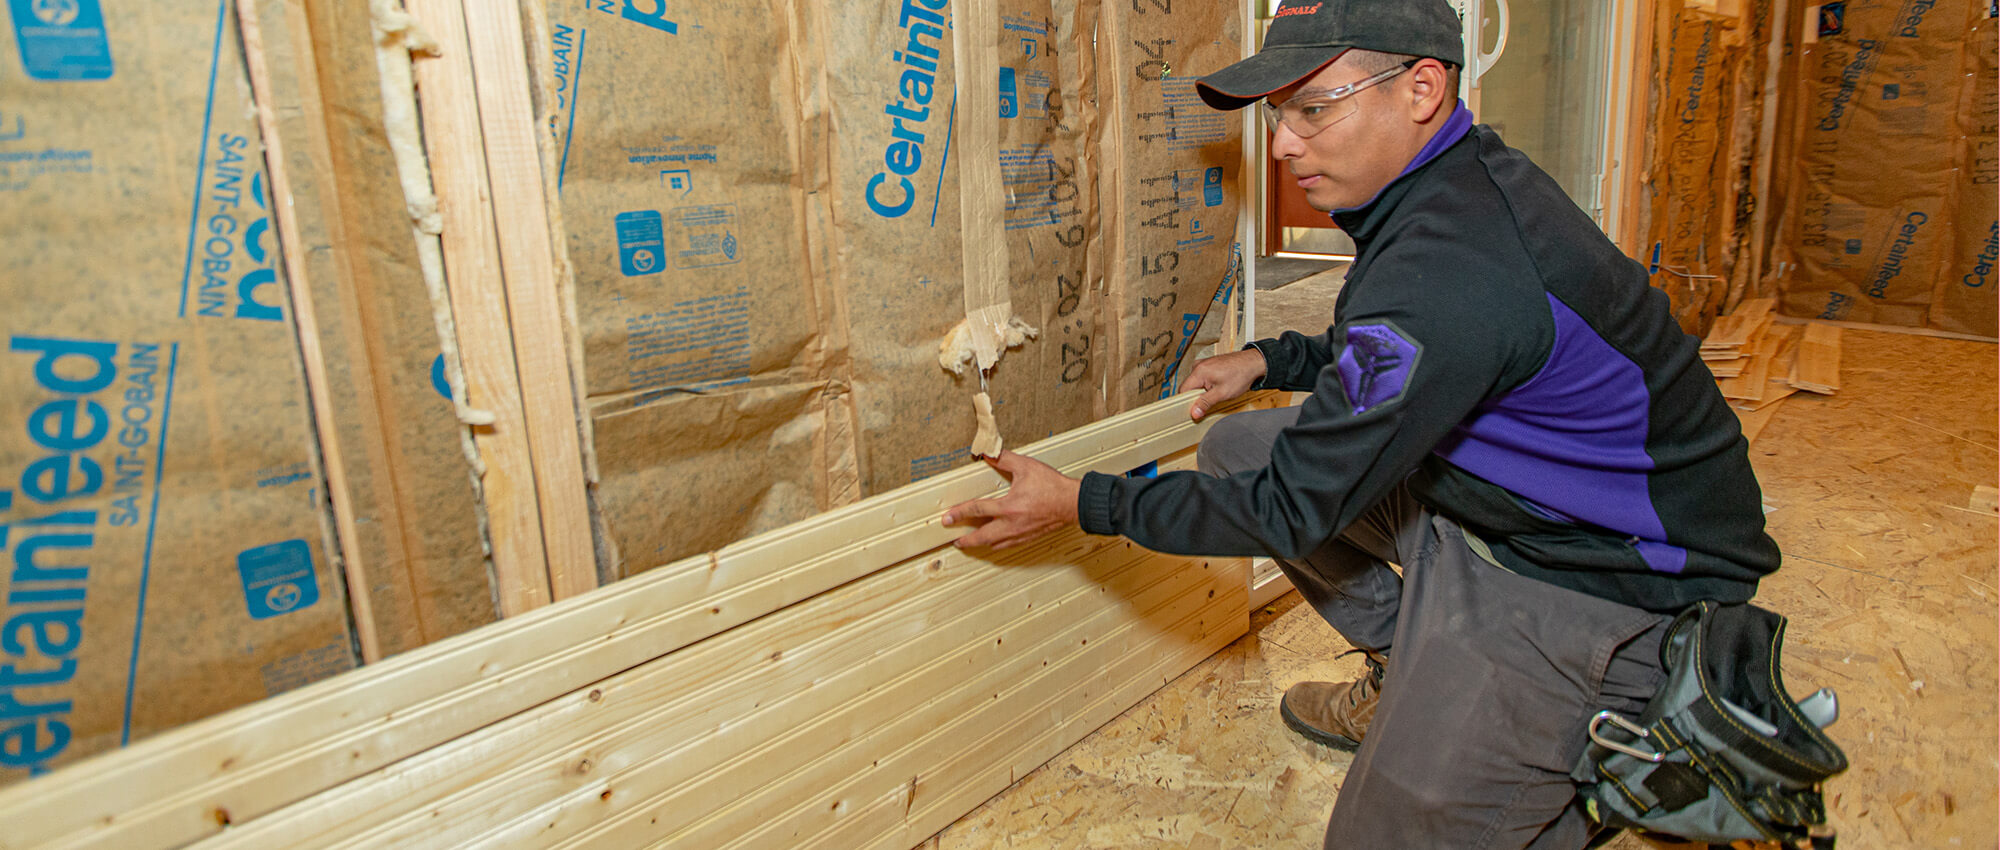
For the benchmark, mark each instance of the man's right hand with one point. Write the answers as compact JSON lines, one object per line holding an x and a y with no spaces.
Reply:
{"x":1224,"y":376}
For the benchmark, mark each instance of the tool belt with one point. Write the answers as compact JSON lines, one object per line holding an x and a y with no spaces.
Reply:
{"x":1722,"y":752}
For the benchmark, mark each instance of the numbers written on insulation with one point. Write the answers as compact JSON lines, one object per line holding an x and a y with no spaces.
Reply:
{"x":1069,"y":293}
{"x":1171,"y":219}
{"x":1156,"y":67}
{"x":1153,"y":370}
{"x":1156,"y":351}
{"x":1063,"y":190}
{"x":1076,"y":349}
{"x":1818,"y":207}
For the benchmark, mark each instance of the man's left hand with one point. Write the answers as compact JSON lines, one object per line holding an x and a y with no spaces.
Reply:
{"x":1038,"y":500}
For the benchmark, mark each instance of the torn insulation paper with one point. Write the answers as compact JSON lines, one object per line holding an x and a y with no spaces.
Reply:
{"x":986,"y":442}
{"x":962,"y":346}
{"x":969,"y":344}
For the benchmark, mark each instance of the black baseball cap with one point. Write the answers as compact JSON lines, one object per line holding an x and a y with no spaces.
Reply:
{"x":1306,"y":35}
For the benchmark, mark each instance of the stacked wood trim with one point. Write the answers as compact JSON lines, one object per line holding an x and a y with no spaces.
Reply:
{"x":852,"y":680}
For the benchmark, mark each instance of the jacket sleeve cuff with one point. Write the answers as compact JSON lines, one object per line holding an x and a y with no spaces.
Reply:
{"x":1273,"y":364}
{"x":1095,"y":503}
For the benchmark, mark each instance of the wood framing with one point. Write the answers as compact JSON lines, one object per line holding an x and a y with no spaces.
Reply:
{"x":207,"y":778}
{"x":1630,"y":148}
{"x":1767,"y":133}
{"x":450,"y":106}
{"x":534,"y":307}
{"x":283,"y":210}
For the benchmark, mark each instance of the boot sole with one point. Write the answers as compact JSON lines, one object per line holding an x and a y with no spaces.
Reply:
{"x":1313,"y":733}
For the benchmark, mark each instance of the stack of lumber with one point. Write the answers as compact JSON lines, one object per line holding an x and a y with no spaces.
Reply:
{"x":848,"y":681}
{"x":1759,"y":361}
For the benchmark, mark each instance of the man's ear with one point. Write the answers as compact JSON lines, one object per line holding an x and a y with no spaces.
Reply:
{"x":1431,"y":90}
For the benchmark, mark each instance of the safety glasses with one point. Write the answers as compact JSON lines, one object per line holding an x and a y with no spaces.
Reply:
{"x":1310,"y":112}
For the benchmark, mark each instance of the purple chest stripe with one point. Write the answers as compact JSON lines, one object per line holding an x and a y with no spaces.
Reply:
{"x":1573,"y":440}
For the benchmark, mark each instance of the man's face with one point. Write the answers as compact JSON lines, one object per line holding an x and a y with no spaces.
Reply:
{"x":1348,"y":162}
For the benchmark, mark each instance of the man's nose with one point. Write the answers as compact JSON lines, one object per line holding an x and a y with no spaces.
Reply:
{"x":1286,"y":144}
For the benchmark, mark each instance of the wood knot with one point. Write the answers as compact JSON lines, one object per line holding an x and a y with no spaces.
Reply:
{"x":221,"y":816}
{"x":597,"y":694}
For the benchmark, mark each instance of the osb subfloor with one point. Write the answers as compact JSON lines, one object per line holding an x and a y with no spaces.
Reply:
{"x":1889,"y":580}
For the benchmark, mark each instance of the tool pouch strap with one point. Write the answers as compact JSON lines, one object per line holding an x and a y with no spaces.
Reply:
{"x":1722,"y":752}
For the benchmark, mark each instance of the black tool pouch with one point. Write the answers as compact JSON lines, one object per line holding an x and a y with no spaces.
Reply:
{"x":1723,"y":752}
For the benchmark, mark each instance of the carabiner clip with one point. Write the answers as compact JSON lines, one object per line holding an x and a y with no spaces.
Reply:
{"x":1616,"y":720}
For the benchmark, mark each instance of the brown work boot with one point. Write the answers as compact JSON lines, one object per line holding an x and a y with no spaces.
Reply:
{"x":1335,"y":714}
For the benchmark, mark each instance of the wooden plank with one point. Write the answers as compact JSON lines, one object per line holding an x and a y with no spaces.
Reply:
{"x":783,"y":755}
{"x":534,"y":308}
{"x":1749,"y":386}
{"x":1775,"y":390}
{"x":305,"y":321}
{"x":453,"y":793}
{"x":973,"y":681}
{"x":185,"y":784}
{"x":449,"y":100}
{"x":1787,"y":354}
{"x":1753,"y":421}
{"x":984,"y":728}
{"x":941,"y":795}
{"x":1818,"y":367}
{"x":1893,"y":329}
{"x":1728,"y":368}
{"x":888,"y":820}
{"x":1737,"y":331}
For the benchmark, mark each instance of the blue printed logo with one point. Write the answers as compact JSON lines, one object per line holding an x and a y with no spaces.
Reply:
{"x":62,"y":39}
{"x":1211,"y":187}
{"x":678,"y":180}
{"x":642,"y":250}
{"x":1375,"y":366}
{"x":655,"y":15}
{"x":1010,"y":94}
{"x":438,"y":381}
{"x":704,"y":236}
{"x":277,"y":578}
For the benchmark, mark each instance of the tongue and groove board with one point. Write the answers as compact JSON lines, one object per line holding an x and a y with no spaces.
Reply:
{"x":856,"y":654}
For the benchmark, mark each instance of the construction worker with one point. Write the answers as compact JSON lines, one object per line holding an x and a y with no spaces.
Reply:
{"x":1504,"y":408}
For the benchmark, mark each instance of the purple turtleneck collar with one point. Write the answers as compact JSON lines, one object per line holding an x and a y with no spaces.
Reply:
{"x":1455,"y":128}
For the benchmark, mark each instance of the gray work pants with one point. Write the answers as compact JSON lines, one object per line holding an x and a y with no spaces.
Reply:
{"x":1492,"y":676}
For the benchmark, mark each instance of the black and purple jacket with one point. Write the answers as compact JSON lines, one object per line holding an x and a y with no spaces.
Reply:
{"x":1498,"y":352}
